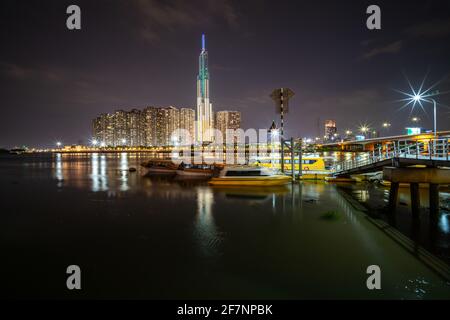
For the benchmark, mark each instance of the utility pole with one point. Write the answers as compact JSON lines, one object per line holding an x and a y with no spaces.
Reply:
{"x":281,"y":97}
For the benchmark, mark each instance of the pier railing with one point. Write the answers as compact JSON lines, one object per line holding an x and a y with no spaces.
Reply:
{"x":434,"y":149}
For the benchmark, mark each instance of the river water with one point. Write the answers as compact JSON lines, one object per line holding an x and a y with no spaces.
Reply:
{"x":135,"y":236}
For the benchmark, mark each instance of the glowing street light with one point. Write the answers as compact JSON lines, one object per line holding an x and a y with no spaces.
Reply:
{"x":94,"y":142}
{"x":58,"y":144}
{"x":275,"y":133}
{"x":364,"y":128}
{"x":419,"y":96}
{"x":386,"y":125}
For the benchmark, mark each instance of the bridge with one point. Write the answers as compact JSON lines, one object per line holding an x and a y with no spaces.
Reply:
{"x":398,"y":153}
{"x":374,"y":143}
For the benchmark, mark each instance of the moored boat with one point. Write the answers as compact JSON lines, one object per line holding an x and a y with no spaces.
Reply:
{"x":249,"y":176}
{"x":195,"y":171}
{"x":160,"y":167}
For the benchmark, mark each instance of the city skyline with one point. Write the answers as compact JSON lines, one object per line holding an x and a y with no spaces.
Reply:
{"x":154,"y":126}
{"x":55,"y":81}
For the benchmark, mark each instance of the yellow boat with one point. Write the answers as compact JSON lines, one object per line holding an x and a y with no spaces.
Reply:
{"x":310,"y":164}
{"x":249,"y":176}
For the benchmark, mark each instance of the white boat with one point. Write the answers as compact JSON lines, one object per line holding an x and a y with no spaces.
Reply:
{"x":249,"y":176}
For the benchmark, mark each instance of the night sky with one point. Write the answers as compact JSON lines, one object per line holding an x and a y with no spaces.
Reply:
{"x":137,"y":53}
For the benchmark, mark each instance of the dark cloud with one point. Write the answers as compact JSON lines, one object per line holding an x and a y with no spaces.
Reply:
{"x":430,"y":29}
{"x":391,"y":48}
{"x":157,"y":17}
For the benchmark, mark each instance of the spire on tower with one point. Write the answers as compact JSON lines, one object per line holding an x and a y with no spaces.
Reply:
{"x":203,"y":42}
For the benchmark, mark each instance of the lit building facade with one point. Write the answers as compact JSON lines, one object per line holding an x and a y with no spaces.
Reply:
{"x":187,"y":122}
{"x":168,"y":120}
{"x":330,"y":130}
{"x":134,"y":129}
{"x":227,"y":120}
{"x":149,"y":120}
{"x":120,"y":129}
{"x":205,"y":122}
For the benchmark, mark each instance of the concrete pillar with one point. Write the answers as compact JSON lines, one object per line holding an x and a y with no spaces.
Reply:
{"x":434,"y":202}
{"x":393,"y":196}
{"x":415,"y":200}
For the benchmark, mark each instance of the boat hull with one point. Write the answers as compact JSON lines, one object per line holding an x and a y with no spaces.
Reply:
{"x":161,"y":171}
{"x":251,"y":181}
{"x":194,"y":173}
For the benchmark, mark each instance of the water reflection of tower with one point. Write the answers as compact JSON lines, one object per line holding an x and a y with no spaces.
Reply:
{"x":205,"y":230}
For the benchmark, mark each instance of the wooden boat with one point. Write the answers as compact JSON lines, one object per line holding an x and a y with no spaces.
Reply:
{"x":160,"y":167}
{"x":241,"y":176}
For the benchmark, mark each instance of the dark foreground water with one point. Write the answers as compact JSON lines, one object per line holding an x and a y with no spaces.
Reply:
{"x":138,"y":237}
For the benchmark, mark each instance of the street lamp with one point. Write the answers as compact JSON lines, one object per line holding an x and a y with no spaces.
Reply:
{"x":94,"y":142}
{"x":364,"y":129}
{"x":58,"y":144}
{"x":386,"y":125}
{"x":420,"y":97}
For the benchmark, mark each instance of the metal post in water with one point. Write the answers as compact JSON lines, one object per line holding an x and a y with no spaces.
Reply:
{"x":446,"y":149}
{"x":415,"y":200}
{"x":300,"y":160}
{"x":417,"y":149}
{"x":292,"y":160}
{"x":393,"y":197}
{"x":282,"y":154}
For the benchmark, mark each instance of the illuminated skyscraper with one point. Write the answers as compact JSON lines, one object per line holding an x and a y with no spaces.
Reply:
{"x":187,"y":120}
{"x":204,"y":106}
{"x":330,"y":130}
{"x":228,"y":120}
{"x":134,"y":136}
{"x":149,"y":116}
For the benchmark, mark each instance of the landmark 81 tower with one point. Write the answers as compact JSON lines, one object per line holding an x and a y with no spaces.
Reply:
{"x":204,"y":107}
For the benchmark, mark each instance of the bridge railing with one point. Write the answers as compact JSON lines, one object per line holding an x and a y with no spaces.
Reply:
{"x":433,"y":149}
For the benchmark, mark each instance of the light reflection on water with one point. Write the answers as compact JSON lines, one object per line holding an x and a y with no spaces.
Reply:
{"x":444,"y":223}
{"x":259,"y":242}
{"x":98,"y":176}
{"x":205,"y":231}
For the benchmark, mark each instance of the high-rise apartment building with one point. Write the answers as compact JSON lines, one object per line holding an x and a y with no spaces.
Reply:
{"x":120,"y":128}
{"x":135,"y":128}
{"x":226,"y":120}
{"x":330,"y":130}
{"x":149,"y":119}
{"x":167,"y":122}
{"x":187,"y":122}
